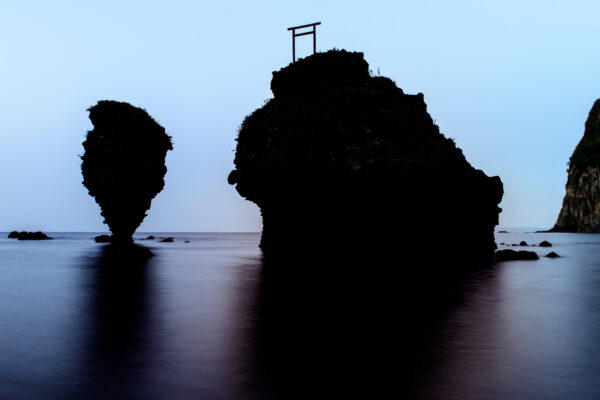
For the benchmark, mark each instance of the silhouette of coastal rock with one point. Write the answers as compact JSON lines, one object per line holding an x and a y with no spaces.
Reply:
{"x":340,"y":159}
{"x":23,"y":235}
{"x":167,"y":240}
{"x":511,"y":255}
{"x":552,"y":255}
{"x":580,"y":210}
{"x":523,"y":243}
{"x":102,"y":239}
{"x":124,"y":164}
{"x":545,"y":243}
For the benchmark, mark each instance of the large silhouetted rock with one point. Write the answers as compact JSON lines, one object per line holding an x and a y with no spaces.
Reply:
{"x":580,"y":210}
{"x":344,"y":161}
{"x":124,"y":164}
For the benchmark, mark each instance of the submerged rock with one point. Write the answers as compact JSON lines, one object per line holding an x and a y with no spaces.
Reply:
{"x":167,"y":240}
{"x":511,"y":255}
{"x":339,"y":159}
{"x":580,"y":210}
{"x":23,"y":235}
{"x":124,"y":164}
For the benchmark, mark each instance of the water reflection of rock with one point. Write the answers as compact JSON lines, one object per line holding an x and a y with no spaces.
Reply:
{"x":119,"y":325}
{"x":355,"y":331}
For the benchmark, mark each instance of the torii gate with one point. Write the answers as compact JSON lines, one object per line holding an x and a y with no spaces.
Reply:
{"x":294,"y":34}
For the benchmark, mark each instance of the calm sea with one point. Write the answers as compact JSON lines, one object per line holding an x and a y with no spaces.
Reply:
{"x":202,"y":320}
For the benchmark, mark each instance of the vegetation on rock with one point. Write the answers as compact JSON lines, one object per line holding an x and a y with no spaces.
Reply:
{"x":587,"y":152}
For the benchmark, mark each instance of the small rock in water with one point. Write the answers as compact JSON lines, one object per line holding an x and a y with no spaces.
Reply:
{"x":503,"y":232}
{"x":552,"y":255}
{"x":187,"y":241}
{"x":545,"y":244}
{"x":151,"y":237}
{"x":102,"y":239}
{"x":523,"y":243}
{"x":167,"y":240}
{"x":511,"y":255}
{"x":28,"y":235}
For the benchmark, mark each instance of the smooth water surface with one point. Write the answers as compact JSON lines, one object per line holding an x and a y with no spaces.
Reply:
{"x":202,"y":320}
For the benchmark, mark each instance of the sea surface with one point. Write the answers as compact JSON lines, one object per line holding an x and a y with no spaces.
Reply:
{"x":203,"y":320}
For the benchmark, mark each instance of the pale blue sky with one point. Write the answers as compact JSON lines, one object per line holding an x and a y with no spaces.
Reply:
{"x":512,"y":82}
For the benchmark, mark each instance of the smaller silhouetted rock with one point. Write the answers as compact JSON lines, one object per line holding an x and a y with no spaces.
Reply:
{"x":514,"y":244}
{"x":187,"y":241}
{"x":503,"y":232}
{"x":552,"y":255}
{"x":545,"y":244}
{"x":501,"y":244}
{"x":167,"y":240}
{"x":102,"y":239}
{"x":523,"y":243}
{"x":151,"y":237}
{"x":511,"y":255}
{"x":28,"y":235}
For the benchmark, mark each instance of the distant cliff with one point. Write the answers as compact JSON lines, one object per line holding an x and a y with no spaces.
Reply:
{"x":581,"y":205}
{"x":345,"y":161}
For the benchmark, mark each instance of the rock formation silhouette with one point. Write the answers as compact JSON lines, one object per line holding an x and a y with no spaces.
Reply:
{"x":123,"y":165}
{"x":345,"y":161}
{"x":24,"y":235}
{"x":580,"y":210}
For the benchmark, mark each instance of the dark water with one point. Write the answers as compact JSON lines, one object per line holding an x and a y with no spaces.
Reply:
{"x":210,"y":320}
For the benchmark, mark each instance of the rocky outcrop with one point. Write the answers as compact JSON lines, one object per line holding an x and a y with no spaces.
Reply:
{"x":124,"y":164}
{"x":511,"y":255}
{"x":23,"y":235}
{"x":580,"y":210}
{"x":341,"y":160}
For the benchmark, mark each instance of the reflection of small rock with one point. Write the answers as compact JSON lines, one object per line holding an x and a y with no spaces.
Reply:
{"x":28,"y":235}
{"x":523,"y":243}
{"x":552,"y":255}
{"x":511,"y":255}
{"x":102,"y":239}
{"x":167,"y":240}
{"x":545,"y":244}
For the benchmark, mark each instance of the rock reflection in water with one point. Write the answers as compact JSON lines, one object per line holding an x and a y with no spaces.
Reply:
{"x":120,"y":326}
{"x":333,"y":328}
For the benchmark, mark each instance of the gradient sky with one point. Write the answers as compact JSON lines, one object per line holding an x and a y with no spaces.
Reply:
{"x":512,"y":82}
